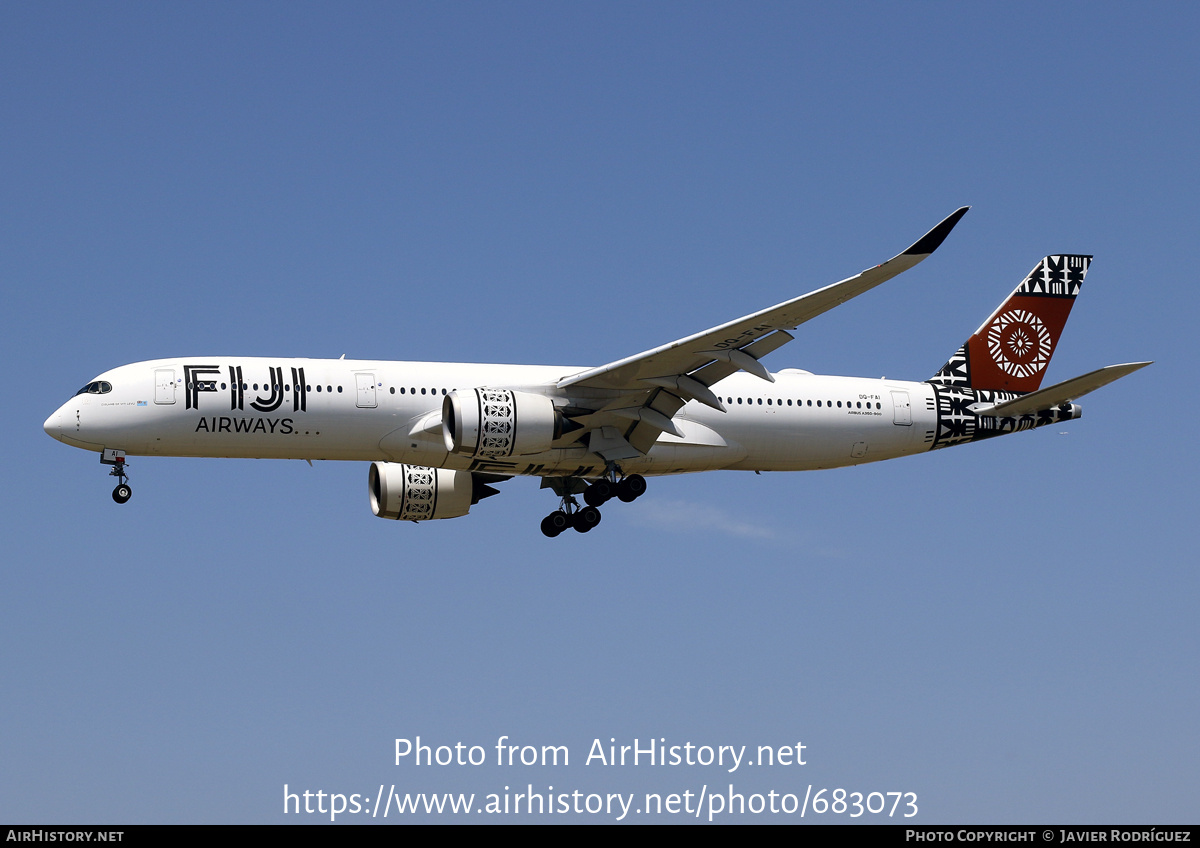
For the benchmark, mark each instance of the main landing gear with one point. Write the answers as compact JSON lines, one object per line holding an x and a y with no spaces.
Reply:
{"x":595,"y":495}
{"x":116,"y":458}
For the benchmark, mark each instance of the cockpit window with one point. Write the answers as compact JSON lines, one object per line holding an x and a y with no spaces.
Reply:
{"x":96,"y":387}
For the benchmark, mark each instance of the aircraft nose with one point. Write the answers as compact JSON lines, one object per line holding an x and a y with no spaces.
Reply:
{"x":53,"y":427}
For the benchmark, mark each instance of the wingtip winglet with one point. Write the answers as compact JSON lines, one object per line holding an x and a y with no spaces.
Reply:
{"x":930,"y":242}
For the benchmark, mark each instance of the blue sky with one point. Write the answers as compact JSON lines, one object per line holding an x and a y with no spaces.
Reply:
{"x":1006,"y":629}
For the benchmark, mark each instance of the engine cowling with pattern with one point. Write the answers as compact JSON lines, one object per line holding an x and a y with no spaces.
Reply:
{"x":417,"y":493}
{"x":498,"y":423}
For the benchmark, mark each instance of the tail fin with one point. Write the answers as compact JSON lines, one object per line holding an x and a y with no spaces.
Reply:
{"x":1012,"y":348}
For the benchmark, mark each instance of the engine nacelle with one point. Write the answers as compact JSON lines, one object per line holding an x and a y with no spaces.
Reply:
{"x":417,"y":493}
{"x":498,"y":423}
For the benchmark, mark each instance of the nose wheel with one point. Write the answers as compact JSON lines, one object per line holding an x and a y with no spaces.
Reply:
{"x":116,"y":459}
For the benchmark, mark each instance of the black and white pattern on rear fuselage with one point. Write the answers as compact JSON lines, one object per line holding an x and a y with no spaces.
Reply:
{"x":957,"y":424}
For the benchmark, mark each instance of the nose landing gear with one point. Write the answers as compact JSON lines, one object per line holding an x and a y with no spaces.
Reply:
{"x":116,"y":458}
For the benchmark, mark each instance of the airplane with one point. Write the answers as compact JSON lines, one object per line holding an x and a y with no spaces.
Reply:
{"x":439,"y":435}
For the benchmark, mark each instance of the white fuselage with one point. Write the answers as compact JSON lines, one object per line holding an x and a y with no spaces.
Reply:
{"x":391,"y":411}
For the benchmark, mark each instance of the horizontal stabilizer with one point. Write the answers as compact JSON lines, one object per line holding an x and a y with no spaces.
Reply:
{"x":1057,"y":394}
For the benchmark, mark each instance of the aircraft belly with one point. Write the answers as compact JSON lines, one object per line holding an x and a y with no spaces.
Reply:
{"x":682,"y":458}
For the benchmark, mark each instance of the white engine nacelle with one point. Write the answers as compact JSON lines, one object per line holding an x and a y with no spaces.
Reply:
{"x":496,"y":423}
{"x":417,"y":493}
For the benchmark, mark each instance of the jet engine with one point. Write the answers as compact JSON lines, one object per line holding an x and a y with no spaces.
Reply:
{"x":417,"y":493}
{"x":495,"y":423}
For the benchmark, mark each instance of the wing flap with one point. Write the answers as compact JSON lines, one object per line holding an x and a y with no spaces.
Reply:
{"x":717,"y":370}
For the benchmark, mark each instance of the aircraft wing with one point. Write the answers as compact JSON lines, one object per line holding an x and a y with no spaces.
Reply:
{"x":691,"y":353}
{"x":650,"y":387}
{"x":1059,"y":393}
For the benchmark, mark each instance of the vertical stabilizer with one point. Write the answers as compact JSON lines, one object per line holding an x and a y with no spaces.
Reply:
{"x":1012,"y":348}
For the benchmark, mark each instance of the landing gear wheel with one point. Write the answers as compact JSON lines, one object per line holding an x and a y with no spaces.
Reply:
{"x":116,"y":458}
{"x":599,"y":493}
{"x":586,"y":519}
{"x":555,"y":523}
{"x":631,"y":488}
